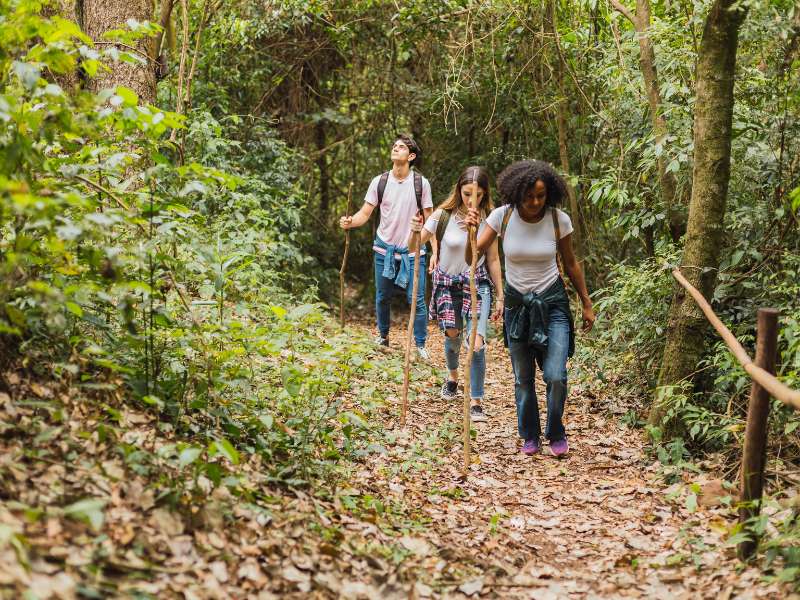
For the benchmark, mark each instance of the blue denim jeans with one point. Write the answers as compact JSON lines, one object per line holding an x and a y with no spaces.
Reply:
{"x":554,"y":373}
{"x":385,"y":289}
{"x":452,"y":345}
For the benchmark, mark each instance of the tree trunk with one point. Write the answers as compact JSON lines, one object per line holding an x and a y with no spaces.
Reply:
{"x":705,"y":231}
{"x":561,"y":121}
{"x":647,"y":64}
{"x":100,"y":16}
{"x":322,"y":166}
{"x":577,"y":222}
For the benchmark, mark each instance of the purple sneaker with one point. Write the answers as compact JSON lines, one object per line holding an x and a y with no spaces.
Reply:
{"x":559,"y":448}
{"x":530,"y":447}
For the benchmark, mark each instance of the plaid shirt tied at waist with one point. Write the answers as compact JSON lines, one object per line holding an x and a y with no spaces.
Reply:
{"x":442,"y":298}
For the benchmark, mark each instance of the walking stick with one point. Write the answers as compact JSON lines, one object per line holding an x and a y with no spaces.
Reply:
{"x":410,"y":330}
{"x":344,"y":258}
{"x":473,"y":334}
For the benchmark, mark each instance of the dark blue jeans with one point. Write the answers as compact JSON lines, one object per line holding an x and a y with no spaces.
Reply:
{"x":554,"y":373}
{"x":385,"y":289}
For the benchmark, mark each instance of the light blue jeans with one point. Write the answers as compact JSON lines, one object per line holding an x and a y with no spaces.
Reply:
{"x":385,"y":289}
{"x":554,"y":373}
{"x":452,"y":345}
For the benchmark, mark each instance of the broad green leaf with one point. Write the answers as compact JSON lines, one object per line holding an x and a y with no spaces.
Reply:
{"x":188,"y":455}
{"x":226,"y":449}
{"x":75,"y":309}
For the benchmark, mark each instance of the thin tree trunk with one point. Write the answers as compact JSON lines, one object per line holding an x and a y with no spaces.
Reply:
{"x":322,"y":166}
{"x":705,"y":232}
{"x":165,"y":15}
{"x":561,"y":121}
{"x":100,"y":16}
{"x":647,"y":64}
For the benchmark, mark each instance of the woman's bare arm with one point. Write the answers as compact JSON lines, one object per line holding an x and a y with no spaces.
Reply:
{"x":575,"y":274}
{"x":495,"y":272}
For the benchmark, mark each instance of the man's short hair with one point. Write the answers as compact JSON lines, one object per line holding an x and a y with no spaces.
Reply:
{"x":413,"y":147}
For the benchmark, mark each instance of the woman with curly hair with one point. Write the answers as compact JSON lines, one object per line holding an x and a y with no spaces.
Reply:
{"x":538,"y":324}
{"x":451,"y":302}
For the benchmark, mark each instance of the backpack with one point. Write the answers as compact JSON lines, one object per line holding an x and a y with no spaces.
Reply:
{"x":382,"y":188}
{"x":556,"y":229}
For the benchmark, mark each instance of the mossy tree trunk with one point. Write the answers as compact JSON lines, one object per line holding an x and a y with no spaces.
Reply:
{"x":705,"y":235}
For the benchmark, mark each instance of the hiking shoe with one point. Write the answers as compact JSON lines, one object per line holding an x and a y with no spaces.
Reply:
{"x":559,"y":448}
{"x":423,"y":354}
{"x":476,"y":413}
{"x":531,"y":447}
{"x":382,"y":341}
{"x":449,"y":390}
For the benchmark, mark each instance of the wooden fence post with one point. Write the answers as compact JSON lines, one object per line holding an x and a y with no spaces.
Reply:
{"x":755,"y":437}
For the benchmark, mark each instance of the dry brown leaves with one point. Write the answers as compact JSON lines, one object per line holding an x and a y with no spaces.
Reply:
{"x":594,"y":525}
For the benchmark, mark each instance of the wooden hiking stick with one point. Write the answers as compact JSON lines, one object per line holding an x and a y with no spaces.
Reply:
{"x":473,"y":333}
{"x":344,"y":258}
{"x":410,"y":331}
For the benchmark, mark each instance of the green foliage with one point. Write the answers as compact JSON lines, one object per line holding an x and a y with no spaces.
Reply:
{"x":626,"y":343}
{"x":124,"y":261}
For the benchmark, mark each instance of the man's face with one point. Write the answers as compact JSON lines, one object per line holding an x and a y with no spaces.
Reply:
{"x":400,"y":152}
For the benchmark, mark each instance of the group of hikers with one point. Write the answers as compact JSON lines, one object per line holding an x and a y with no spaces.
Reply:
{"x":538,"y":325}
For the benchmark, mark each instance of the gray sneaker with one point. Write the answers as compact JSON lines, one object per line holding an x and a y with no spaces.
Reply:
{"x":476,"y":414}
{"x":449,"y":390}
{"x":423,"y":354}
{"x":382,"y":341}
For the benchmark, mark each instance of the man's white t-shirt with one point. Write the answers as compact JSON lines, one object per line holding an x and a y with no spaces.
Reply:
{"x":398,"y":207}
{"x":454,"y":243}
{"x":530,"y":248}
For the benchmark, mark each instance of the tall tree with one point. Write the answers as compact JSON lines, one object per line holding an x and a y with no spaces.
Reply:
{"x":647,"y":63}
{"x":561,"y":122}
{"x":713,"y":115}
{"x":100,"y":16}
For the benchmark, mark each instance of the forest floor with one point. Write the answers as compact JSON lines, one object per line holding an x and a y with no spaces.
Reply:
{"x":401,"y":523}
{"x":599,"y":523}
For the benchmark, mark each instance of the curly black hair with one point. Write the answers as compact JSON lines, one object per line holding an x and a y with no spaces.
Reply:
{"x":517,"y":178}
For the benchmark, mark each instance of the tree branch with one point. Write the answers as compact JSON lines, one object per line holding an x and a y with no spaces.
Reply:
{"x":626,"y":12}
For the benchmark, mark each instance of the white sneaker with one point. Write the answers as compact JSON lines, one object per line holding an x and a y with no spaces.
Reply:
{"x":381,"y":341}
{"x":423,"y":354}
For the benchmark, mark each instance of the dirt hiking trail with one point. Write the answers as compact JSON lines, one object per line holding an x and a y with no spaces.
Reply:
{"x":595,"y":524}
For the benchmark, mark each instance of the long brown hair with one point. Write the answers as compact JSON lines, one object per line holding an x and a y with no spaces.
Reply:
{"x":472,"y":174}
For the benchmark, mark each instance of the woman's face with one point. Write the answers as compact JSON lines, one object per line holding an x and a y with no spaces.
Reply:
{"x":535,"y":200}
{"x":470,"y":191}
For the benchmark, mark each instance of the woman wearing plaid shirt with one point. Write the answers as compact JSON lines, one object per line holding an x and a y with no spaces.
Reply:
{"x":450,"y":298}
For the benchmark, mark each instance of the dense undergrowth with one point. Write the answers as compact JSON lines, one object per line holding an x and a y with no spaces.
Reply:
{"x":163,"y":350}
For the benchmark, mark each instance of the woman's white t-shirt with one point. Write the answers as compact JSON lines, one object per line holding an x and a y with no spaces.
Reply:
{"x":454,"y":243}
{"x":530,"y":248}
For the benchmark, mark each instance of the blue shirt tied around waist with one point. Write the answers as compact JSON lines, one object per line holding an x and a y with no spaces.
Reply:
{"x":528,"y":315}
{"x":402,"y":275}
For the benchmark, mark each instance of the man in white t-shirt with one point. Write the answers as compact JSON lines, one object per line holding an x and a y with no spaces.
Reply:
{"x":400,"y":194}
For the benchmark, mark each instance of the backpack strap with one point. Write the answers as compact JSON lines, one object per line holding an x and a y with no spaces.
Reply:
{"x":556,"y":228}
{"x":557,"y":231}
{"x":382,"y":187}
{"x":506,"y":219}
{"x":417,"y":189}
{"x":441,"y":227}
